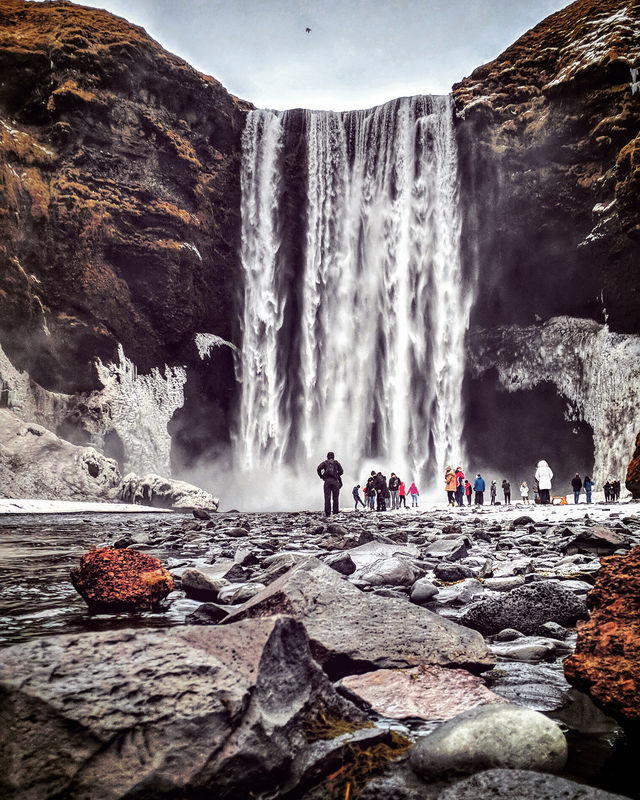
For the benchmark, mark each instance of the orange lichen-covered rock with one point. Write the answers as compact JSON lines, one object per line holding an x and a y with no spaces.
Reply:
{"x":633,"y":472}
{"x":606,"y":663}
{"x":121,"y":580}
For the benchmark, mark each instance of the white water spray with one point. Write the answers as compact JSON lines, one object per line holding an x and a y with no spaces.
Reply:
{"x":358,"y":346}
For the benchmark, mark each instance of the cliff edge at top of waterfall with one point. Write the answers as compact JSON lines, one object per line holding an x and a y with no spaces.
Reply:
{"x":119,"y":195}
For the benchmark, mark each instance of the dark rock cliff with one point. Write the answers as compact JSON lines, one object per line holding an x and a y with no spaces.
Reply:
{"x":549,"y":142}
{"x":119,"y":196}
{"x":550,"y":158}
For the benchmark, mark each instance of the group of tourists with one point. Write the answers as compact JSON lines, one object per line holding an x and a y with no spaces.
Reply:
{"x":383,"y":495}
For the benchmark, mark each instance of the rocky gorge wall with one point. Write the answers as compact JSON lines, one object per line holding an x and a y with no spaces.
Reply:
{"x":119,"y":206}
{"x":549,"y":143}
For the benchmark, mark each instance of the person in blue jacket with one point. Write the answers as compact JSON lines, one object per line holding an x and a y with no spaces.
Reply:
{"x":478,"y":488}
{"x":588,"y":487}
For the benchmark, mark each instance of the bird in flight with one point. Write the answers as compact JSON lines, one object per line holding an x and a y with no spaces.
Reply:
{"x":307,"y":30}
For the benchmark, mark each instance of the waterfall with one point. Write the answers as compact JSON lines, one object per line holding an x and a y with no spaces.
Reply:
{"x":355,"y":308}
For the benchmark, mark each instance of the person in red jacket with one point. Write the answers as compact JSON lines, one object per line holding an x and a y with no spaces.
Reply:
{"x":402,"y":494}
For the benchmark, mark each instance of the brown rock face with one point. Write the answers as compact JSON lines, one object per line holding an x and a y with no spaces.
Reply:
{"x":633,"y":472}
{"x":119,"y":195}
{"x":550,"y":170}
{"x":606,"y":663}
{"x":121,"y":580}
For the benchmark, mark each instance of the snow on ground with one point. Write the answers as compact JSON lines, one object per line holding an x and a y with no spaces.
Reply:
{"x":25,"y":506}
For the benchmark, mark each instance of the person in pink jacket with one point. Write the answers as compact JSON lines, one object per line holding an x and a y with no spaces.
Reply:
{"x":413,"y":491}
{"x":402,"y":495}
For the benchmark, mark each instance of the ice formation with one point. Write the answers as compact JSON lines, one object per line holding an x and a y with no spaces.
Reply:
{"x":138,"y":408}
{"x":597,"y":371}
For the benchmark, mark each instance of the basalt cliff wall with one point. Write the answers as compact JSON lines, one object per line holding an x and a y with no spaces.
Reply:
{"x":119,"y":227}
{"x":549,"y":142}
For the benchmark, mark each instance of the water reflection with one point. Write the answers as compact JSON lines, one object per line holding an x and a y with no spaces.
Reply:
{"x":37,"y":553}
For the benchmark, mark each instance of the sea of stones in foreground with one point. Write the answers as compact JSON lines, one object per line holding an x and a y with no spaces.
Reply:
{"x":399,"y":655}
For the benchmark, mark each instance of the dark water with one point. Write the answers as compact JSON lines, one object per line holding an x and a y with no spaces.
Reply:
{"x":37,"y":553}
{"x":37,"y":599}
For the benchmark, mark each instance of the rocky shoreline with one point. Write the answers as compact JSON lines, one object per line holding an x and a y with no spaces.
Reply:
{"x":370,"y":630}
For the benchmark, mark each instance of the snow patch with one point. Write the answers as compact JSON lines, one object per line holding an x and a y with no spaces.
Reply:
{"x":603,"y":37}
{"x":192,"y":248}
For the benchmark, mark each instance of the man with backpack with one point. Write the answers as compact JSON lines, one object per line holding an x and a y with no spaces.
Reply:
{"x":330,"y":472}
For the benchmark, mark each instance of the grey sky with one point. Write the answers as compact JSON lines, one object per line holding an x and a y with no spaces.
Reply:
{"x":360,"y":52}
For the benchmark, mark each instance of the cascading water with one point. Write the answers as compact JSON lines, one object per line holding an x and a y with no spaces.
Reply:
{"x":353,"y":337}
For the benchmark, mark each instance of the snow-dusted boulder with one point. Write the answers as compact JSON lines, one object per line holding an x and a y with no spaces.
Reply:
{"x":34,"y":462}
{"x":159,"y":492}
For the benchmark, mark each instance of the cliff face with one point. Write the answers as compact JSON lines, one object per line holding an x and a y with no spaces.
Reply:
{"x":550,"y":171}
{"x":550,"y":158}
{"x":119,"y":196}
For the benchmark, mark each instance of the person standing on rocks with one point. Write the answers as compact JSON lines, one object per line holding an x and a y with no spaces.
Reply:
{"x":450,"y":485}
{"x":493,"y":491}
{"x":524,"y":492}
{"x":330,"y":472}
{"x":478,"y":488}
{"x":468,"y":491}
{"x":394,"y":487}
{"x":544,"y":476}
{"x":576,"y":483}
{"x":402,"y":495}
{"x":506,"y":490}
{"x":616,"y":490}
{"x":356,"y":496}
{"x":413,"y":491}
{"x":380,"y":485}
{"x":588,"y":487}
{"x":459,"y":486}
{"x":371,"y":492}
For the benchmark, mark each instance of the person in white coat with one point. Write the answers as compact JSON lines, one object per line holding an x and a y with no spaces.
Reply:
{"x":544,"y":477}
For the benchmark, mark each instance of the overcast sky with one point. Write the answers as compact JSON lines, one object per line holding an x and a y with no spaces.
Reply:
{"x":359,"y":53}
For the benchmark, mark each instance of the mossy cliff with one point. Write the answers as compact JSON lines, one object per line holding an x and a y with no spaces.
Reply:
{"x":119,"y":195}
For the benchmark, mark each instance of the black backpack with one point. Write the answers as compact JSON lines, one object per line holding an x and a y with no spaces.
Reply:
{"x":330,"y":469}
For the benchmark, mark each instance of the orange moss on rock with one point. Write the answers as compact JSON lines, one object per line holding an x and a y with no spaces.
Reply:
{"x":606,"y":663}
{"x":111,"y":579}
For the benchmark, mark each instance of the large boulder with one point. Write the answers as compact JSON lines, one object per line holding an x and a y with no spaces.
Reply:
{"x":188,"y":711}
{"x":491,"y":736}
{"x":507,"y":784}
{"x":606,"y":663}
{"x":34,"y":462}
{"x":159,"y":492}
{"x":525,"y":608}
{"x":351,"y":631}
{"x":119,"y":579}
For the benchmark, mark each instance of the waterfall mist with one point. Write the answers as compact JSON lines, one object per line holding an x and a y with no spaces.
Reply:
{"x":355,"y":307}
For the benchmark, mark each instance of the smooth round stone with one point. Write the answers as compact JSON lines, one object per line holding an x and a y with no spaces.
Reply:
{"x":491,"y":736}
